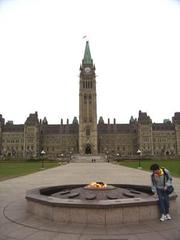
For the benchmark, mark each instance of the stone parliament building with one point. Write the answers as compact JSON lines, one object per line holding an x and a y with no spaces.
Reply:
{"x":87,"y":135}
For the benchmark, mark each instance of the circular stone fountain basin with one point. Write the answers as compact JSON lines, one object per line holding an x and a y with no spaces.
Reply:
{"x":114,"y":204}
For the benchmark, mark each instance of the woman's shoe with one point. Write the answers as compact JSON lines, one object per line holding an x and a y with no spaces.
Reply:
{"x":168,"y":217}
{"x":163,"y":218}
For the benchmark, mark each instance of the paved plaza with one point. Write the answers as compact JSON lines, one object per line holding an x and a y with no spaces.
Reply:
{"x":17,"y":224}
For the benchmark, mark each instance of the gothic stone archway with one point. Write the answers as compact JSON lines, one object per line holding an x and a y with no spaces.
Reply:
{"x":88,"y":149}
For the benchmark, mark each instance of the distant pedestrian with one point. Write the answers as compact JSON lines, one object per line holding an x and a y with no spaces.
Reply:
{"x":161,"y":180}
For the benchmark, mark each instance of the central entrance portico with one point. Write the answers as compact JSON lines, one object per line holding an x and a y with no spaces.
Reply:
{"x":88,"y":149}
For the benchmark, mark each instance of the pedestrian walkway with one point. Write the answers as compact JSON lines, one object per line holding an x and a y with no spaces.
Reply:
{"x":17,"y":224}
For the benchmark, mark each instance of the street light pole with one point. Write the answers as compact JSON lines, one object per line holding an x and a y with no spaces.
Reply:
{"x":42,"y":158}
{"x":70,"y":153}
{"x":107,"y":156}
{"x":139,"y":154}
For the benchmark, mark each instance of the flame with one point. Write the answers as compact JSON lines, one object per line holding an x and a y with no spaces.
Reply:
{"x":97,"y":185}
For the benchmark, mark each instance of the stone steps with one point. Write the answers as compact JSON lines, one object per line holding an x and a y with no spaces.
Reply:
{"x":88,"y":158}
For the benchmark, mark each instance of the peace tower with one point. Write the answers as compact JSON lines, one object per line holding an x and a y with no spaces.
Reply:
{"x":87,"y":105}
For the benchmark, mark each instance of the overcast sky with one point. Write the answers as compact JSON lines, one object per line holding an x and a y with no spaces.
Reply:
{"x":135,"y":46}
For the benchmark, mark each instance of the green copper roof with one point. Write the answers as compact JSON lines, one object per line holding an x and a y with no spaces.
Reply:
{"x":87,"y":55}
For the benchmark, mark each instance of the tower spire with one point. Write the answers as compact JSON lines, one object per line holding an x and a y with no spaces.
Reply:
{"x":87,"y":55}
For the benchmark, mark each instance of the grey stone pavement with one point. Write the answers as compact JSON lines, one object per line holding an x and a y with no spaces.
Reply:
{"x":17,"y":224}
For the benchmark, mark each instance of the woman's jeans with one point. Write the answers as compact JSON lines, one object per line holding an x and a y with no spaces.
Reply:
{"x":163,"y":201}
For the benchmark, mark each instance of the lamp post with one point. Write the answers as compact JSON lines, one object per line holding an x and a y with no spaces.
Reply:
{"x":42,"y":158}
{"x":117,"y":156}
{"x":62,"y":157}
{"x":70,"y":154}
{"x":139,"y":154}
{"x":107,"y":153}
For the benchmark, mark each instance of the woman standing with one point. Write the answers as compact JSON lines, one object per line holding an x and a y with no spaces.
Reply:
{"x":160,"y":180}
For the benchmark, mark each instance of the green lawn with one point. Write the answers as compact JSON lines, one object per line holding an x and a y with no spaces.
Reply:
{"x":172,"y":165}
{"x":10,"y":169}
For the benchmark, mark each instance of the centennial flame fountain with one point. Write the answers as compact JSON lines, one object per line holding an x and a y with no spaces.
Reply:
{"x":95,"y":203}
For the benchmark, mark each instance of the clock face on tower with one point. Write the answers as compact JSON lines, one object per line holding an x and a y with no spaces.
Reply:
{"x":87,"y":69}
